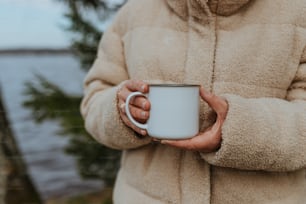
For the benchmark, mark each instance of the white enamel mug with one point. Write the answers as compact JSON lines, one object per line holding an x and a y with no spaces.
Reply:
{"x":174,"y":112}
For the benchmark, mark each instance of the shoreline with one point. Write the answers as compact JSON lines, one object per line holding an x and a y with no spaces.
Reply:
{"x":36,"y":51}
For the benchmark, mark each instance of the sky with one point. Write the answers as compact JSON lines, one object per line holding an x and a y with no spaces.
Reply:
{"x":33,"y":24}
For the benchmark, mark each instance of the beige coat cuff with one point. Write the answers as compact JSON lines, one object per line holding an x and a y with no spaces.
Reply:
{"x":104,"y":123}
{"x":262,"y":134}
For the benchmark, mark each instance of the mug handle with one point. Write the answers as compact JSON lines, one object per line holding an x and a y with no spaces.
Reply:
{"x":128,"y":113}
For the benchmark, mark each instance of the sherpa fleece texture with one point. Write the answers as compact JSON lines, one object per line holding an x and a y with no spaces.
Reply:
{"x":252,"y":52}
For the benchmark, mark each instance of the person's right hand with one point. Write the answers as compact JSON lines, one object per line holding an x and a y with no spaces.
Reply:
{"x":139,"y":106}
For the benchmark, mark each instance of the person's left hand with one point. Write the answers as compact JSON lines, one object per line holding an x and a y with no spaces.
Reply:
{"x":210,"y":139}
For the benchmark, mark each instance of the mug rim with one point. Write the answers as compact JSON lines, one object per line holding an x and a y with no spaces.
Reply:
{"x":175,"y":85}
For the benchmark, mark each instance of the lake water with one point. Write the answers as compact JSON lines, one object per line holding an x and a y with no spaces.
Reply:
{"x":52,"y":171}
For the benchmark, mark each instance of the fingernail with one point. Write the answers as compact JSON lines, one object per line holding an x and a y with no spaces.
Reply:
{"x":143,"y":132}
{"x":143,"y":88}
{"x":144,"y":105}
{"x":143,"y":114}
{"x":163,"y":142}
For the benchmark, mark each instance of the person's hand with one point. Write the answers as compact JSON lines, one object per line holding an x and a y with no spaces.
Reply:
{"x":139,"y":106}
{"x":210,"y":139}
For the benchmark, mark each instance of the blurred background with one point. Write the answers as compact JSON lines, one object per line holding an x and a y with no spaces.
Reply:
{"x":46,"y":156}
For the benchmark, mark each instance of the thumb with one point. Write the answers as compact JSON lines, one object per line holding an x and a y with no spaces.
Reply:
{"x":218,"y":104}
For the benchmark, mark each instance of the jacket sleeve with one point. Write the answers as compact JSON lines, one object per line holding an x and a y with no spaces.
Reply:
{"x":99,"y":104}
{"x":265,"y":133}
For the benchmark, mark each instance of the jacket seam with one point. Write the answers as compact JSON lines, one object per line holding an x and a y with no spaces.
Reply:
{"x":213,"y":77}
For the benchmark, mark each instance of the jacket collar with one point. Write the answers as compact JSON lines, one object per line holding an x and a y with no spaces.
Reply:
{"x":220,"y":7}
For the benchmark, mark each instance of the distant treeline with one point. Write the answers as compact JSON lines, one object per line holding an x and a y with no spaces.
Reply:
{"x":35,"y":51}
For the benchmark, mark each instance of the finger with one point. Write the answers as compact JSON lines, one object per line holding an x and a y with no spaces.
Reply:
{"x":137,"y":85}
{"x":217,"y":103}
{"x":131,"y":125}
{"x":141,"y":102}
{"x":123,"y":93}
{"x":182,"y":144}
{"x":204,"y":142}
{"x":210,"y":98}
{"x":138,"y":113}
{"x":142,"y":118}
{"x":122,"y":107}
{"x":137,"y":101}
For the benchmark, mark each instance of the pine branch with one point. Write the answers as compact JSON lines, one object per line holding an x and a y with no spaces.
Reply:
{"x":87,"y":34}
{"x":47,"y":101}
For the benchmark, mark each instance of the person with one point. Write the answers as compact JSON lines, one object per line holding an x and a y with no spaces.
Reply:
{"x":249,"y":56}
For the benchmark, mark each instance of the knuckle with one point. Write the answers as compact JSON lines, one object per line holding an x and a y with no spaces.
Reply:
{"x":129,"y":84}
{"x":133,"y":84}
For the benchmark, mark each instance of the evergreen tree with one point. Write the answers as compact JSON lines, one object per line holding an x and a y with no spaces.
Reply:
{"x":48,"y":101}
{"x":87,"y":33}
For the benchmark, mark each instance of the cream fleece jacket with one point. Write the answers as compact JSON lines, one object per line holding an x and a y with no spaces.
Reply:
{"x":252,"y":52}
